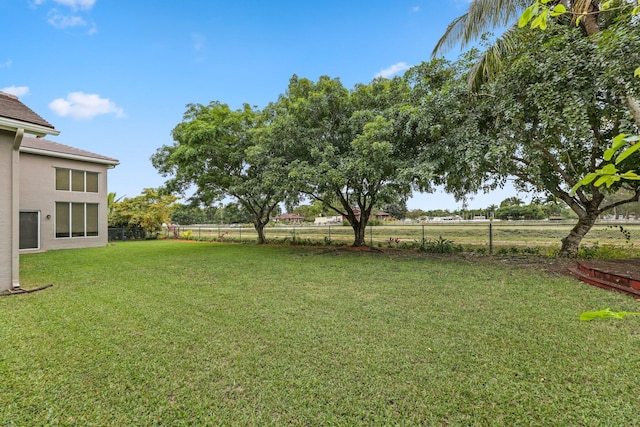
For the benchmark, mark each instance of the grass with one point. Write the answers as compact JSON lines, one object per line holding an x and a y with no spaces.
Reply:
{"x":185,"y":333}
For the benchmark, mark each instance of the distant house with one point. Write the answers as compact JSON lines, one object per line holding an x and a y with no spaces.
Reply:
{"x":51,"y":196}
{"x":328,"y":220}
{"x":290,"y":218}
{"x":380,"y":216}
{"x":383,"y":216}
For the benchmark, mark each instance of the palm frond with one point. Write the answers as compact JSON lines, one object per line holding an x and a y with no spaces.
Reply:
{"x":490,"y":63}
{"x":482,"y":16}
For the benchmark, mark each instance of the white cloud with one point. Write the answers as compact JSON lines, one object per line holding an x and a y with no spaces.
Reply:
{"x":415,"y":9}
{"x":394,"y":69}
{"x":60,"y":21}
{"x":6,"y":64}
{"x":73,"y":4}
{"x":16,"y":90}
{"x":77,"y":4}
{"x":79,"y":105}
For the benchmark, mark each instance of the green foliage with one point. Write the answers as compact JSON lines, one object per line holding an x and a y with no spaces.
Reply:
{"x":606,"y":314}
{"x":188,"y":214}
{"x":528,"y":212}
{"x":223,"y":153}
{"x":598,"y":251}
{"x":550,"y":110}
{"x":515,"y":250}
{"x":148,"y":211}
{"x":440,"y":246}
{"x":349,"y":149}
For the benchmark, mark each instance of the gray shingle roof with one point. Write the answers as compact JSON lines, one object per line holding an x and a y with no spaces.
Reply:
{"x":12,"y":108}
{"x":46,"y":147}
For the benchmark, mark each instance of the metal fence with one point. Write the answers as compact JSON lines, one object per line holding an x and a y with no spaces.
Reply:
{"x":470,"y":234}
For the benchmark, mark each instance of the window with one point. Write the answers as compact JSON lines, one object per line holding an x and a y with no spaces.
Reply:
{"x":62,"y":179}
{"x":76,"y":219}
{"x":76,"y":180}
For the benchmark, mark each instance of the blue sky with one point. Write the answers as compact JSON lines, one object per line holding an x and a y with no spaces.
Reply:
{"x":114,"y":76}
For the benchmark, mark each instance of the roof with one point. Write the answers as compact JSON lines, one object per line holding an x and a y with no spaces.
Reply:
{"x":14,"y":114}
{"x":53,"y":149}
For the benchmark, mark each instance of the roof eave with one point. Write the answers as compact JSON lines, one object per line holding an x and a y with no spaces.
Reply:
{"x":34,"y":129}
{"x":108,"y":162}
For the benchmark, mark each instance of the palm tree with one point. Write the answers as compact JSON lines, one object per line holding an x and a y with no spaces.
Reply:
{"x":486,"y":15}
{"x":111,"y":201}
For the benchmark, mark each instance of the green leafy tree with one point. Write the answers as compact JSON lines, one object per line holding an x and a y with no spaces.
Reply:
{"x":311,"y":211}
{"x":219,"y":151}
{"x":511,"y":201}
{"x":235,"y":213}
{"x":528,"y":212}
{"x":545,"y":119}
{"x":188,"y":214}
{"x":147,"y":211}
{"x":397,"y":209}
{"x":590,"y":16}
{"x":349,"y":149}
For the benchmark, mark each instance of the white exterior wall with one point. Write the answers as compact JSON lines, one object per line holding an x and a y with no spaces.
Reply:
{"x":38,"y":193}
{"x":9,"y":272}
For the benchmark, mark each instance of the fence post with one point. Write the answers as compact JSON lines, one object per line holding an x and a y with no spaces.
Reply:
{"x":240,"y":233}
{"x":329,"y":234}
{"x":294,"y":233}
{"x":490,"y":237}
{"x":422,"y":246}
{"x":371,"y":235}
{"x":198,"y":232}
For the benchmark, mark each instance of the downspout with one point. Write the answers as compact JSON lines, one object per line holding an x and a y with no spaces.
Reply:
{"x":15,"y":194}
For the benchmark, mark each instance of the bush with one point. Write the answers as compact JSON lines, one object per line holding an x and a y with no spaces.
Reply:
{"x":440,"y":246}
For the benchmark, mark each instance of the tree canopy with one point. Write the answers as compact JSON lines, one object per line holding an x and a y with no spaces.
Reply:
{"x":349,"y":149}
{"x":146,"y":212}
{"x":218,"y":151}
{"x":546,"y":119}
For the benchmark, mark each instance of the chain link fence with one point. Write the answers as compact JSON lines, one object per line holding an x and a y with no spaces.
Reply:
{"x":484,"y":236}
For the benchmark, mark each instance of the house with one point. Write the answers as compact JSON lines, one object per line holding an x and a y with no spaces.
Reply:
{"x":63,"y":196}
{"x":51,"y":196}
{"x":291,"y":218}
{"x":328,"y":220}
{"x":383,"y":216}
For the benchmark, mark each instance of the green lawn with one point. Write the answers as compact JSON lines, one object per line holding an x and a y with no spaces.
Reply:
{"x":185,"y":333}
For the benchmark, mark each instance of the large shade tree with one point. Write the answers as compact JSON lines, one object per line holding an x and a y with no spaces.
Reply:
{"x":218,"y":151}
{"x":546,"y":119}
{"x":349,"y":149}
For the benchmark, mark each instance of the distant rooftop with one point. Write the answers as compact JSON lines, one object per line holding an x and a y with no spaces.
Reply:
{"x":12,"y":108}
{"x":49,"y":148}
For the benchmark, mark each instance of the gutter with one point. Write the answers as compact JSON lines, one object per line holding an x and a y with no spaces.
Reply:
{"x":108,"y":162}
{"x":37,"y":130}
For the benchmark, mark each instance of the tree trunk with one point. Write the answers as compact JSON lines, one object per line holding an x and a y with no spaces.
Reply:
{"x":359,"y":232}
{"x":571,"y":243}
{"x":259,"y":226}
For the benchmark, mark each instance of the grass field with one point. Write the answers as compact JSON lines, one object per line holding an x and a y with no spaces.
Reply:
{"x":188,"y":333}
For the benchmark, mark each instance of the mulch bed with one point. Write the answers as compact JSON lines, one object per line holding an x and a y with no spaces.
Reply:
{"x":620,"y":267}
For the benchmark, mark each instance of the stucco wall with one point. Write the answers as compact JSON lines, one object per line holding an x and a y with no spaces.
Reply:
{"x":38,"y":193}
{"x":6,"y":210}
